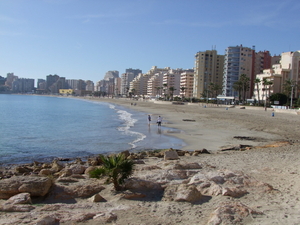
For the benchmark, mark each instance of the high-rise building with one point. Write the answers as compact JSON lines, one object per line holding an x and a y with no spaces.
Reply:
{"x":134,"y":71}
{"x":9,"y":79}
{"x":208,"y":69}
{"x":187,"y":84}
{"x":111,"y":74}
{"x":126,"y":79}
{"x":23,"y":85}
{"x":238,"y":60}
{"x":139,"y":84}
{"x":291,"y":61}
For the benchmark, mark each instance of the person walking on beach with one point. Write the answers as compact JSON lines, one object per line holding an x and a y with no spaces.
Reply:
{"x":159,"y":120}
{"x":149,"y":119}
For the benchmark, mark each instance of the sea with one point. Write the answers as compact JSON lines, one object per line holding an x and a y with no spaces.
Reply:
{"x":44,"y":128}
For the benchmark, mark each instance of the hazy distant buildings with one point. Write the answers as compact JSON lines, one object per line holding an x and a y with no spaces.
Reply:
{"x":125,"y":83}
{"x":9,"y":79}
{"x":208,"y":70}
{"x":111,"y":74}
{"x":23,"y":85}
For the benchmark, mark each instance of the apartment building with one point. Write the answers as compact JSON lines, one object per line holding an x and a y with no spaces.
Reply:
{"x":262,"y":91}
{"x":172,"y":79}
{"x":155,"y":85}
{"x":208,"y":69}
{"x":291,"y":61}
{"x":238,"y":60}
{"x":140,"y":84}
{"x":187,"y":84}
{"x":111,"y":74}
{"x":10,"y":77}
{"x":23,"y":85}
{"x":125,"y":84}
{"x":89,"y":85}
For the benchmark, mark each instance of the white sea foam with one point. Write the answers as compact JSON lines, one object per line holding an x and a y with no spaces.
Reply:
{"x":129,"y":122}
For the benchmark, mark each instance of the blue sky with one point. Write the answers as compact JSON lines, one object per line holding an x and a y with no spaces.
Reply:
{"x":83,"y":39}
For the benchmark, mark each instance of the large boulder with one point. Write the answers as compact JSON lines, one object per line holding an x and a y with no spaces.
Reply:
{"x":231,"y":213}
{"x":139,"y":184}
{"x":72,"y":188}
{"x":182,"y":193}
{"x":170,"y":155}
{"x":22,"y":198}
{"x":34,"y":185}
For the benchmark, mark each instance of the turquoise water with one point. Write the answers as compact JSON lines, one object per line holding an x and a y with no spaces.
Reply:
{"x":41,"y":128}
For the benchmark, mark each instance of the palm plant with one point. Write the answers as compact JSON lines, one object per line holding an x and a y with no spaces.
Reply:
{"x":238,"y":87}
{"x":245,"y":85}
{"x":171,"y":89}
{"x":182,"y":91}
{"x":117,"y":168}
{"x":257,"y":82}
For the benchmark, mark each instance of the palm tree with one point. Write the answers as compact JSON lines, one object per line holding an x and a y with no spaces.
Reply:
{"x":116,"y":167}
{"x":133,"y":91}
{"x":157,"y":90}
{"x":171,"y":89}
{"x":288,"y":87}
{"x":245,"y":81}
{"x":165,"y":90}
{"x":182,"y":90}
{"x":266,"y":83}
{"x":238,"y":87}
{"x":257,"y":82}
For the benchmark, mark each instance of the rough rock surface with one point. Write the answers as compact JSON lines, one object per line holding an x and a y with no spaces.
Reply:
{"x":36,"y":186}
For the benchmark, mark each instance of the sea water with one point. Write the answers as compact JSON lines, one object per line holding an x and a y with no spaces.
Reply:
{"x":42,"y":128}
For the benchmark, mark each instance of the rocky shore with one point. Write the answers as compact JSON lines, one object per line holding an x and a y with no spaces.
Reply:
{"x":246,"y":172}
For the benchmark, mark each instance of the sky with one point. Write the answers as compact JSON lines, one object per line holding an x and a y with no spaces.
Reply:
{"x":83,"y":39}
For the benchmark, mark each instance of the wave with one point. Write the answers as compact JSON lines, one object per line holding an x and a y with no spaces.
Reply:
{"x":128,"y":122}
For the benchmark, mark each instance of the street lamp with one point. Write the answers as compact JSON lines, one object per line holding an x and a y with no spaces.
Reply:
{"x":292,"y":96}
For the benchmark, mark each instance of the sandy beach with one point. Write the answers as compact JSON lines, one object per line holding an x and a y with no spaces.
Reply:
{"x":214,"y":127}
{"x":268,"y":170}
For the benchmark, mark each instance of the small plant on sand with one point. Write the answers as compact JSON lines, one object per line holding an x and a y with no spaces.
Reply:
{"x":117,"y":168}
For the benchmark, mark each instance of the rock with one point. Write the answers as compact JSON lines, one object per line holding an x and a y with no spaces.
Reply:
{"x":234,"y":192}
{"x":106,"y":217}
{"x":132,"y":195}
{"x":47,"y":220}
{"x":182,"y":193}
{"x":22,"y":198}
{"x":81,"y":217}
{"x":16,"y":208}
{"x":57,"y":166}
{"x":187,"y":166}
{"x":231,"y":213}
{"x":170,"y":155}
{"x":23,"y":169}
{"x":150,"y":167}
{"x":203,"y":151}
{"x":136,"y":183}
{"x":36,"y":186}
{"x":97,"y":198}
{"x":45,"y":172}
{"x":65,"y":172}
{"x":65,"y":191}
{"x":125,"y":153}
{"x":77,"y":169}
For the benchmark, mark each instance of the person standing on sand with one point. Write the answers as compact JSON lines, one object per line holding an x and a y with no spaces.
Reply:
{"x":159,"y":120}
{"x":149,"y":119}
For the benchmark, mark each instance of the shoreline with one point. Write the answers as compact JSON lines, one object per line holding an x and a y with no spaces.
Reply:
{"x":214,"y":128}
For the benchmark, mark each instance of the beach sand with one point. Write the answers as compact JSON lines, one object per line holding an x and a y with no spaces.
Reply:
{"x":273,"y":159}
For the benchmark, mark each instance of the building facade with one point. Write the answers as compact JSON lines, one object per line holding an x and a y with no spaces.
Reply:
{"x":208,"y":69}
{"x":238,"y":60}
